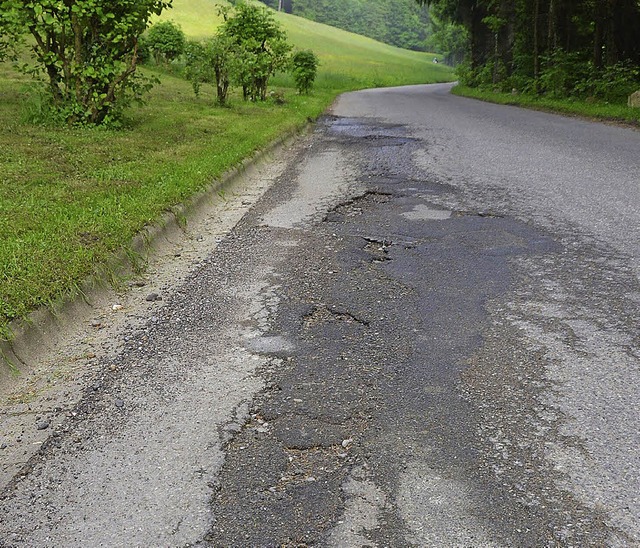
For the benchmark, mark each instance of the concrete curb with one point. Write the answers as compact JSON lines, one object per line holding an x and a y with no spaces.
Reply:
{"x":44,"y":323}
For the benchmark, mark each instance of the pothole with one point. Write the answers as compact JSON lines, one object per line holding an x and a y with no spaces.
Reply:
{"x":357,"y":206}
{"x":323,"y":314}
{"x":311,"y":465}
{"x":379,"y":141}
{"x":378,"y":249}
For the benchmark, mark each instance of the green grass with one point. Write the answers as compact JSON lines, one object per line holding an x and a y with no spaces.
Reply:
{"x":197,"y":18}
{"x":593,"y":110}
{"x":71,"y":198}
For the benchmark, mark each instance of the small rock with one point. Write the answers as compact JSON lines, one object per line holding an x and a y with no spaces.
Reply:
{"x":347,"y":442}
{"x":152,"y":297}
{"x":119,"y":403}
{"x":113,"y":367}
{"x":96,"y":323}
{"x":310,"y":479}
{"x":634,"y":100}
{"x":3,"y":446}
{"x":297,"y":400}
{"x":42,"y":425}
{"x":137,"y":283}
{"x":117,"y":307}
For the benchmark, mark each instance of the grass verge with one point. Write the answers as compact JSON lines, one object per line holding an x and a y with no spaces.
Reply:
{"x":577,"y":107}
{"x":70,"y":198}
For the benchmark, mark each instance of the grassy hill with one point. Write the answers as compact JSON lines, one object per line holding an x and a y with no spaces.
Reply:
{"x":348,"y":60}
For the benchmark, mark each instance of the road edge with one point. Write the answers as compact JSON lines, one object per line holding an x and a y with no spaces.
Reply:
{"x":32,"y":333}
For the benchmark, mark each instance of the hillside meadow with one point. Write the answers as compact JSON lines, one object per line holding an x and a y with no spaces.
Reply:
{"x":71,"y":197}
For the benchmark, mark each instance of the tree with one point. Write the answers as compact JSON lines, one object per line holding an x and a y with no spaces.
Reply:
{"x":304,"y":67}
{"x":197,"y":66}
{"x":260,"y":46}
{"x":560,"y":47}
{"x":88,"y":50}
{"x":221,"y":56}
{"x":166,"y":41}
{"x":401,"y":23}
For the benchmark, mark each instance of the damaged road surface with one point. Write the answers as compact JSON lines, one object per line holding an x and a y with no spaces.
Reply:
{"x":424,"y":333}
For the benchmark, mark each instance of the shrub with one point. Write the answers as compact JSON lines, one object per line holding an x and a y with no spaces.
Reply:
{"x":561,"y":71}
{"x":304,"y":67}
{"x":197,"y":67}
{"x":89,"y":53}
{"x":166,"y":41}
{"x":613,"y":83}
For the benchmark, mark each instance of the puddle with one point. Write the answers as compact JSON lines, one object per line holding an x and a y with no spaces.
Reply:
{"x":426,"y":213}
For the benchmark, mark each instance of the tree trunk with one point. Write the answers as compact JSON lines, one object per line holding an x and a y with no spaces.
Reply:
{"x":599,"y":17}
{"x":536,"y":43}
{"x":552,"y":33}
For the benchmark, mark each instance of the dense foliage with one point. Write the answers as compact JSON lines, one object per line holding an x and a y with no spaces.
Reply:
{"x":400,"y":23}
{"x":8,"y":34}
{"x":304,"y":67}
{"x":88,"y":50}
{"x":557,"y":47}
{"x":447,"y":37}
{"x":166,"y":41}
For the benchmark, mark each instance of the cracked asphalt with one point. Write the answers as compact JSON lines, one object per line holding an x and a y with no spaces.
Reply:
{"x":423,"y":331}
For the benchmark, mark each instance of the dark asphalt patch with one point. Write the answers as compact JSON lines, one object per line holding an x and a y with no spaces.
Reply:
{"x":383,"y":326}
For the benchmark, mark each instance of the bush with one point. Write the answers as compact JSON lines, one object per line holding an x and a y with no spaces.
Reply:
{"x":613,"y":83}
{"x":304,"y":67}
{"x":166,"y":41}
{"x":197,"y":66}
{"x":89,"y":54}
{"x":561,"y":72}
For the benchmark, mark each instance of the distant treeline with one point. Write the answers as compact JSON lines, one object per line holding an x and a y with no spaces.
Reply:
{"x":553,"y":46}
{"x":401,"y":23}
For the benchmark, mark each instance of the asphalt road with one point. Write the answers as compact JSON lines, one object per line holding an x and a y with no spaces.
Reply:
{"x":423,"y":331}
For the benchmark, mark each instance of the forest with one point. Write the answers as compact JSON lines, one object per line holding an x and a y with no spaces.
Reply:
{"x":402,"y":23}
{"x":559,"y":48}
